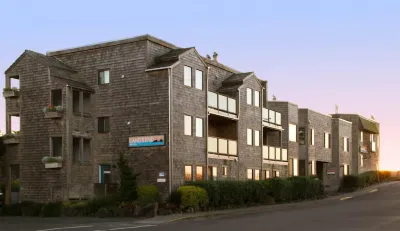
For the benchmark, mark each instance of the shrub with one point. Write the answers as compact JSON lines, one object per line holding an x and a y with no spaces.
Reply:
{"x":95,"y":204}
{"x":193,"y":197}
{"x":213,"y":192}
{"x":12,"y":210}
{"x":52,"y":209}
{"x":31,"y":209}
{"x":148,"y":194}
{"x":302,"y":187}
{"x":351,"y":183}
{"x":75,"y":209}
{"x":128,"y":184}
{"x":280,"y":189}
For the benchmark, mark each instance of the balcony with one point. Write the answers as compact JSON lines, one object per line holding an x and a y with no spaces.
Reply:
{"x":10,"y":92}
{"x":272,"y":154}
{"x":272,"y":118}
{"x":222,"y":105}
{"x":12,"y":138}
{"x":53,"y":112}
{"x":224,"y":147}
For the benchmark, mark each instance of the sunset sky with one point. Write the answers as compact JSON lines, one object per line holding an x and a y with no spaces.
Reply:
{"x":313,"y":53}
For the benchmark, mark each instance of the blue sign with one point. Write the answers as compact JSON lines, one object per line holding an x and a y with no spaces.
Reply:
{"x":146,"y":141}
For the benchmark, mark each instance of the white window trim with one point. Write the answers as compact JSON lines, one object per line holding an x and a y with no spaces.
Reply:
{"x":200,"y":120}
{"x":249,"y":96}
{"x":326,"y":140}
{"x":256,"y":138}
{"x":184,"y":76}
{"x":249,"y":137}
{"x":202,"y":79}
{"x":312,"y":136}
{"x":291,"y":127}
{"x":256,"y":99}
{"x":190,"y":125}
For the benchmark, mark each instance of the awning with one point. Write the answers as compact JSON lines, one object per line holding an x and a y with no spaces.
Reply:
{"x":369,"y":126}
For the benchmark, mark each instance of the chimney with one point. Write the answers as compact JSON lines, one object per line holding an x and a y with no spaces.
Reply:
{"x":208,"y":57}
{"x":215,"y":56}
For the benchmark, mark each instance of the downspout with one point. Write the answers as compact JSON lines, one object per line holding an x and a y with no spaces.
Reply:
{"x":206,"y":122}
{"x":67,"y":137}
{"x":170,"y":129}
{"x":262,"y":132}
{"x":237,"y":133}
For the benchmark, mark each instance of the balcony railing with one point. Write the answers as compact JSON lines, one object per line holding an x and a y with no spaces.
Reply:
{"x":274,"y":153}
{"x":222,"y":146}
{"x":272,"y":116}
{"x":222,"y":103}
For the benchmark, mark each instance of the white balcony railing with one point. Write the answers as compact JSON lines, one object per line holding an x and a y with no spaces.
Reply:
{"x":274,"y":153}
{"x":373,"y":146}
{"x":222,"y":102}
{"x":272,"y":116}
{"x":222,"y":146}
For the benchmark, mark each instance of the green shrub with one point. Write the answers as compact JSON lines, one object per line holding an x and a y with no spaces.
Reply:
{"x":280,"y":189}
{"x":302,"y":187}
{"x":351,"y":183}
{"x":148,"y":194}
{"x":52,"y":209}
{"x":71,"y":209}
{"x":213,"y":192}
{"x":95,"y":204}
{"x":31,"y":209}
{"x":12,"y":210}
{"x":193,"y":197}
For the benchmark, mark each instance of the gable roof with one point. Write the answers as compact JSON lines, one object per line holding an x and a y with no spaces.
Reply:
{"x":43,"y":59}
{"x":171,"y":58}
{"x":233,"y":82}
{"x":369,"y":125}
{"x":72,"y":83}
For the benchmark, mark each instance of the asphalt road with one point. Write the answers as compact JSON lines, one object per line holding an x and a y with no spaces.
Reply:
{"x":377,"y":210}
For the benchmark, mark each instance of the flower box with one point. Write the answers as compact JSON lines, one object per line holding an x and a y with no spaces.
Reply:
{"x":53,"y":115}
{"x":10,"y":92}
{"x":53,"y":165}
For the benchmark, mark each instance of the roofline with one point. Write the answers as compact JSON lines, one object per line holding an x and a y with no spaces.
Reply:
{"x":371,"y":120}
{"x":343,"y":120}
{"x":162,"y":68}
{"x":220,"y":65}
{"x":250,"y":74}
{"x":330,"y":116}
{"x":112,"y":43}
{"x":275,"y":101}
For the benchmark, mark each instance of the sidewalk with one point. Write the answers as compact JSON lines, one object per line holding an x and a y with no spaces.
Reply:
{"x":264,"y":208}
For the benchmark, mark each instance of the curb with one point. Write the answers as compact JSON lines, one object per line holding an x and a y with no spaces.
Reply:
{"x":276,"y":207}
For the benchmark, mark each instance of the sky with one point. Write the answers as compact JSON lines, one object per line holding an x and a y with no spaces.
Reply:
{"x":313,"y":53}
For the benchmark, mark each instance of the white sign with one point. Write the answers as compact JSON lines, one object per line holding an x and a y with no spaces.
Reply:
{"x":160,"y":180}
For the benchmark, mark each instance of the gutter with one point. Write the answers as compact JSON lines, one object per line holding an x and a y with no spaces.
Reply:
{"x":170,"y":140}
{"x":206,"y":123}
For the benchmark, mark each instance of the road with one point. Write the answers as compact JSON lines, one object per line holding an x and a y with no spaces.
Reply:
{"x":377,"y":210}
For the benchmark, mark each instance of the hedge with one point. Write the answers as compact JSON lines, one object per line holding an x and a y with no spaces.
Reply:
{"x":227,"y":193}
{"x":351,"y":183}
{"x":192,"y":197}
{"x":148,"y":194}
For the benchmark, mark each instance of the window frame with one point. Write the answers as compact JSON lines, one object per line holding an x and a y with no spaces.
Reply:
{"x":195,"y":79}
{"x":249,"y":135}
{"x":249,"y":96}
{"x":52,"y":97}
{"x":202,"y":173}
{"x":202,"y":127}
{"x":184,"y":76}
{"x":190,"y":124}
{"x":291,"y":127}
{"x":99,"y":76}
{"x":249,"y":170}
{"x":191,"y":173}
{"x":256,"y":138}
{"x":52,"y":145}
{"x":105,"y":125}
{"x":256,"y":99}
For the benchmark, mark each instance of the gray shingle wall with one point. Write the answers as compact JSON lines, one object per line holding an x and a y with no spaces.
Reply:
{"x":321,"y":124}
{"x":188,"y":150}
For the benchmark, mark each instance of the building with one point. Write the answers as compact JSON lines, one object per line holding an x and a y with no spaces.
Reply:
{"x":176,"y":116}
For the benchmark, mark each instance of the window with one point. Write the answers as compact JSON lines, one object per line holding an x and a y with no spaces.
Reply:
{"x":371,"y":137}
{"x":199,"y":173}
{"x":199,"y":79}
{"x":188,"y":125}
{"x":86,"y":151}
{"x":346,"y":144}
{"x":266,"y":174}
{"x":275,"y":173}
{"x":302,"y":135}
{"x":311,"y":170}
{"x":212,"y":173}
{"x":292,"y":132}
{"x":249,"y":96}
{"x":225,"y":171}
{"x":249,"y":137}
{"x":361,"y":160}
{"x":56,"y":143}
{"x":86,"y":102}
{"x":327,"y":140}
{"x":76,"y":149}
{"x":199,"y":127}
{"x":346,"y":169}
{"x":76,"y":102}
{"x":105,"y":174}
{"x":15,"y":172}
{"x":104,"y":77}
{"x":295,"y":167}
{"x":256,"y":98}
{"x":256,"y":138}
{"x":257,"y":174}
{"x":187,"y":76}
{"x":188,"y":173}
{"x":361,"y":136}
{"x":56,"y":97}
{"x":311,"y":137}
{"x":103,"y":124}
{"x":249,"y":174}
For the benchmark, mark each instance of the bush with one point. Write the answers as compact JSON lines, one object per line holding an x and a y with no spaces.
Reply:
{"x":351,"y":183}
{"x":302,"y":188}
{"x":75,"y":209}
{"x":193,"y":197}
{"x":52,"y":209}
{"x":31,"y":209}
{"x":280,"y":189}
{"x":12,"y":210}
{"x":95,"y":204}
{"x":148,"y":194}
{"x":128,"y":183}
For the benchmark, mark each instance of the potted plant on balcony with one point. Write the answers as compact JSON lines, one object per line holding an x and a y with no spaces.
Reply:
{"x":52,"y":111}
{"x":10,"y":92}
{"x":52,"y":161}
{"x":12,"y":138}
